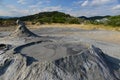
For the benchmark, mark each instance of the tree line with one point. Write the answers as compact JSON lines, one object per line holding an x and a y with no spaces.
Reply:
{"x":60,"y":17}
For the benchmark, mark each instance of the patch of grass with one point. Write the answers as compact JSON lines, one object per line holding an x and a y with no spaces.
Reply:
{"x":58,"y":25}
{"x":80,"y":26}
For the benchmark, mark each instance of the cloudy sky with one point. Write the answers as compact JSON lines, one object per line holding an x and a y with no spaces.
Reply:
{"x":72,"y":7}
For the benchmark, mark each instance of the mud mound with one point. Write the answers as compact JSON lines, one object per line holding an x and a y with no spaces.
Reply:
{"x":89,"y":64}
{"x":22,"y":31}
{"x":54,"y":59}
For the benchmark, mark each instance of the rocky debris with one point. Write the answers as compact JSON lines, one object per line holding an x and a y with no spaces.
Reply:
{"x":22,"y":31}
{"x":90,"y":64}
{"x":20,"y":36}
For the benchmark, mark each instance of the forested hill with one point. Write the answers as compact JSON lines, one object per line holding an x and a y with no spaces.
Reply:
{"x":60,"y":17}
{"x":104,"y":20}
{"x":46,"y":15}
{"x":51,"y":17}
{"x":43,"y":18}
{"x":114,"y":20}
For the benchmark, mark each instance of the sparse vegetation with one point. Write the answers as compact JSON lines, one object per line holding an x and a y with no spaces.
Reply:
{"x":113,"y":21}
{"x":62,"y":18}
{"x":43,"y":18}
{"x":51,"y":17}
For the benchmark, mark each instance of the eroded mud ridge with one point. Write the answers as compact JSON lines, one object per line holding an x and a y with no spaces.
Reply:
{"x":89,"y":63}
{"x":49,"y":58}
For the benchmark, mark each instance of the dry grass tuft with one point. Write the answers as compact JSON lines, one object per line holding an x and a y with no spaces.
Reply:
{"x":80,"y":26}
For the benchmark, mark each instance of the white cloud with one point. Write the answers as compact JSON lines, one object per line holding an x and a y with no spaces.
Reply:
{"x":99,"y":11}
{"x":44,"y":5}
{"x":100,"y":2}
{"x":3,"y":13}
{"x":45,"y":9}
{"x":14,"y":11}
{"x":77,"y":2}
{"x":95,"y":7}
{"x":39,"y":4}
{"x":36,"y":5}
{"x":85,"y":3}
{"x":52,"y":8}
{"x":11,"y":7}
{"x":96,"y":2}
{"x":117,"y":7}
{"x":21,"y":1}
{"x":19,"y":12}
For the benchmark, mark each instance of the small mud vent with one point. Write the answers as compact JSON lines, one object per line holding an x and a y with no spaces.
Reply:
{"x":4,"y":47}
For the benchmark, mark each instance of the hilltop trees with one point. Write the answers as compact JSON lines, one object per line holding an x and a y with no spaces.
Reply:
{"x":114,"y":20}
{"x":59,"y":17}
{"x":51,"y":17}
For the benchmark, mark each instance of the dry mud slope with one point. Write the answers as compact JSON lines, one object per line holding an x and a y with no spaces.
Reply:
{"x":90,"y":64}
{"x":47,"y":58}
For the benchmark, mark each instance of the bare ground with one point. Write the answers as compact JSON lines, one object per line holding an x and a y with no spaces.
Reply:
{"x":108,"y":41}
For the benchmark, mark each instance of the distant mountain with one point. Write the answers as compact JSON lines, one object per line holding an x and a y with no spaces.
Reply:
{"x":5,"y":17}
{"x":83,"y":17}
{"x":105,"y":20}
{"x":98,"y":17}
{"x":94,"y":17}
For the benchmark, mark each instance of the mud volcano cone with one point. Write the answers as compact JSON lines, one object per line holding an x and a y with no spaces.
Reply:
{"x":22,"y":31}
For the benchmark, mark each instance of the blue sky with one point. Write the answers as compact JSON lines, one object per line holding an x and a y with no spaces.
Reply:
{"x":72,"y":7}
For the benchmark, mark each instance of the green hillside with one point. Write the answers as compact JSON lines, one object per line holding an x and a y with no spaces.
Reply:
{"x":43,"y":18}
{"x":114,"y":21}
{"x":105,"y":20}
{"x":51,"y":17}
{"x":59,"y":17}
